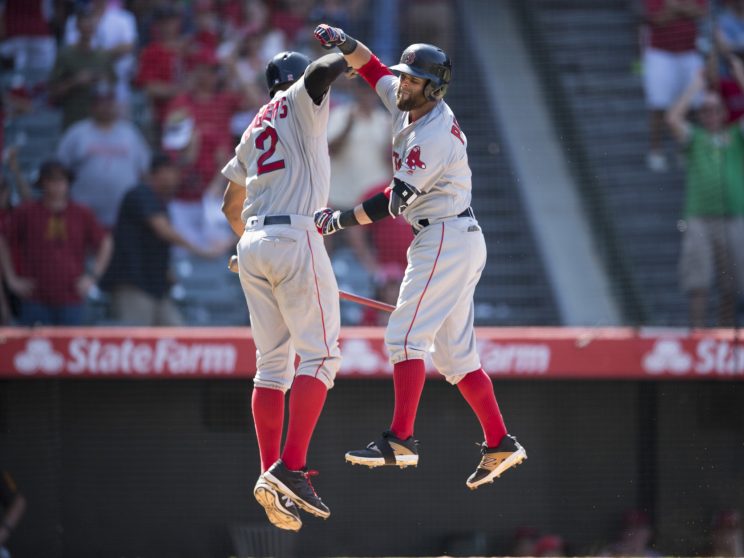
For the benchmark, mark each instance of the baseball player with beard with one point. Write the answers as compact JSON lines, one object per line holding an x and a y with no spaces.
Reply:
{"x":431,"y":189}
{"x":279,"y":175}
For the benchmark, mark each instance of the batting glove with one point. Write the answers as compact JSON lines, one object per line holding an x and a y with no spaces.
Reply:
{"x":328,"y":36}
{"x":327,"y":220}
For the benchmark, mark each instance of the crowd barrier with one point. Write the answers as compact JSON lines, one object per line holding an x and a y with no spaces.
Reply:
{"x":524,"y":353}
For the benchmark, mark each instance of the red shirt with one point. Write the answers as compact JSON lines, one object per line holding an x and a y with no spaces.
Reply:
{"x":733,"y":98}
{"x":157,"y":62}
{"x":212,"y":121}
{"x":53,"y":246}
{"x":25,"y":18}
{"x":677,"y":35}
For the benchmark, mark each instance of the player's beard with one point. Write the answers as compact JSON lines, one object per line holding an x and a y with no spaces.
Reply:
{"x":410,"y":103}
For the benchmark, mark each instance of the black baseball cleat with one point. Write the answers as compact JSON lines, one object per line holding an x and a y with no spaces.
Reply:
{"x":496,"y":460}
{"x":280,"y":510}
{"x":297,"y":487}
{"x":388,"y":450}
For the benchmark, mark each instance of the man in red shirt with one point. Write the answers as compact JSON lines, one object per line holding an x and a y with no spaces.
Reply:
{"x":670,"y":60}
{"x":207,"y":110}
{"x":161,"y":63}
{"x":54,"y":236}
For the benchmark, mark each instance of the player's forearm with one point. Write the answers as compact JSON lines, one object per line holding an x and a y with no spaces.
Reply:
{"x":359,"y":56}
{"x":103,"y":257}
{"x":232,"y":207}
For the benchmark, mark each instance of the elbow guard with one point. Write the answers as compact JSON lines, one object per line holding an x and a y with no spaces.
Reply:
{"x":402,"y":195}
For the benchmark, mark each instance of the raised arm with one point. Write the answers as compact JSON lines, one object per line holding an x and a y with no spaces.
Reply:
{"x":355,"y":52}
{"x":676,"y":116}
{"x":321,"y":73}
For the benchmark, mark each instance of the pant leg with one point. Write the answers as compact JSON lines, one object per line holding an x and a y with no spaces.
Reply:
{"x":132,"y":306}
{"x":274,"y":351}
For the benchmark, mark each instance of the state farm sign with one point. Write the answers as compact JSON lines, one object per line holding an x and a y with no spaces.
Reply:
{"x":505,"y":353}
{"x":92,"y":356}
{"x":708,"y":357}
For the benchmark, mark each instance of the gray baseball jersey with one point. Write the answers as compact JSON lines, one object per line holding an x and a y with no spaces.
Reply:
{"x":286,"y":275}
{"x":447,"y":256}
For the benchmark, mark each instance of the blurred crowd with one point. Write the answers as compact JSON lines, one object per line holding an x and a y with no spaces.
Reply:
{"x":156,"y":94}
{"x":693,"y":77}
{"x":131,"y":82}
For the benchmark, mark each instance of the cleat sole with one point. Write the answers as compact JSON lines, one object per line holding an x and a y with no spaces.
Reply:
{"x":280,"y":487}
{"x":276,"y":516}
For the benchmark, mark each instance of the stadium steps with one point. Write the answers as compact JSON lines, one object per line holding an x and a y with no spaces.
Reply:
{"x":592,"y":48}
{"x":514,"y":288}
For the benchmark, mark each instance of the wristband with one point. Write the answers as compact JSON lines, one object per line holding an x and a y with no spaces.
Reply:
{"x":347,"y":219}
{"x":348,"y":46}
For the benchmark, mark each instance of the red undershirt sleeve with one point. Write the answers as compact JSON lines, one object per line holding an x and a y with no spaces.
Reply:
{"x":373,"y":70}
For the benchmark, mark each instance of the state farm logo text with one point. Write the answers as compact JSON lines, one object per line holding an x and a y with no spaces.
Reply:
{"x":94,"y":356}
{"x":710,"y":357}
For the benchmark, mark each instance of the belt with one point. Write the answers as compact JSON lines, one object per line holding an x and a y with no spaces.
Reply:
{"x":277,"y":220}
{"x":423,"y":223}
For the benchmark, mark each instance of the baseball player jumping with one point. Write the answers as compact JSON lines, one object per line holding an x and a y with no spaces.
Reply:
{"x":279,"y":175}
{"x":431,"y":189}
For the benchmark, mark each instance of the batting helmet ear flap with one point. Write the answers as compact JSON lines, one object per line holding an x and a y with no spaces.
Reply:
{"x":434,"y":93}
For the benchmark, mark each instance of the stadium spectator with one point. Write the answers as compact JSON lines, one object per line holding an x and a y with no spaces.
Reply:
{"x":721,"y":79}
{"x":54,"y":236}
{"x":386,"y":242}
{"x":139,"y":275}
{"x":9,"y":303}
{"x":670,"y":60}
{"x":200,"y":151}
{"x":27,"y":36}
{"x":634,"y":538}
{"x":428,"y":21}
{"x":78,"y":70}
{"x":550,"y":545}
{"x":387,"y":285}
{"x":161,"y":63}
{"x":206,"y":36}
{"x":729,"y":32}
{"x":727,"y":538}
{"x":251,"y":19}
{"x":524,"y":541}
{"x":714,"y":202}
{"x":12,"y":509}
{"x":116,"y":33}
{"x":106,"y":154}
{"x":291,"y":18}
{"x":359,"y":145}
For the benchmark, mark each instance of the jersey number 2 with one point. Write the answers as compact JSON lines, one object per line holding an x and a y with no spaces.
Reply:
{"x":269,"y":134}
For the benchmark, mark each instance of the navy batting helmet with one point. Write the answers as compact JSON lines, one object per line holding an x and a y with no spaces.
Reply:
{"x":427,"y":62}
{"x":285,"y":67}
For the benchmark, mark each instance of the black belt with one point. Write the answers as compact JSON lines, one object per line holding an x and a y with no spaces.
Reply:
{"x":425,"y":222}
{"x":277,"y":220}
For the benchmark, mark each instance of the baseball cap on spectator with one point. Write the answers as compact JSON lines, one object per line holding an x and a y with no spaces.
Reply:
{"x":178,"y":130}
